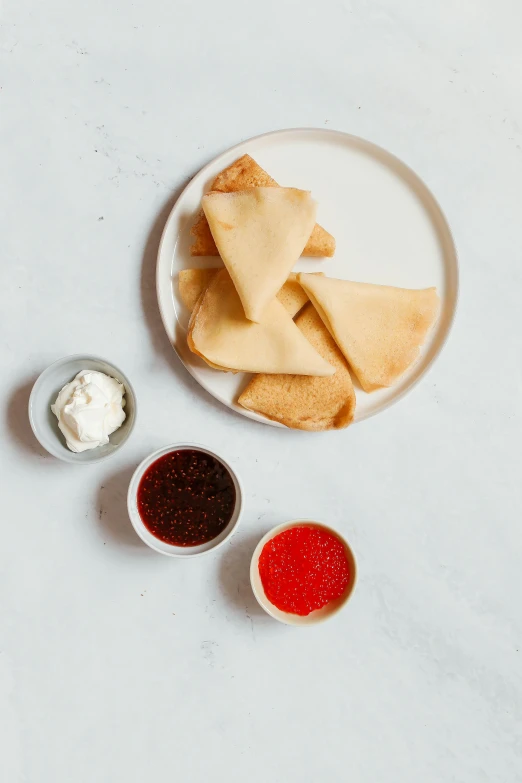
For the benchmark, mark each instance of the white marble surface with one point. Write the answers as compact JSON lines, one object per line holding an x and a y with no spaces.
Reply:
{"x":119,"y":665}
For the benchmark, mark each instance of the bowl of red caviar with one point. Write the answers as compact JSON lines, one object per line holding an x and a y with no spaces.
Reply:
{"x":184,"y":500}
{"x":303,"y":572}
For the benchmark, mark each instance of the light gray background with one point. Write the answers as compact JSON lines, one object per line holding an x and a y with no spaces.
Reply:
{"x":119,"y":665}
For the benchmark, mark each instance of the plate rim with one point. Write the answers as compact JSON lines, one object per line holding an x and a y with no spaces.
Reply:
{"x":343,"y":135}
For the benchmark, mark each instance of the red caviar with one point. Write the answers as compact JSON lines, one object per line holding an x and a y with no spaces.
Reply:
{"x":303,"y":569}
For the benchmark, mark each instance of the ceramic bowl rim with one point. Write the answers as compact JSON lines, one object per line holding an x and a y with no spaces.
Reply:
{"x":71,"y":456}
{"x":320,"y":615}
{"x":168,"y":549}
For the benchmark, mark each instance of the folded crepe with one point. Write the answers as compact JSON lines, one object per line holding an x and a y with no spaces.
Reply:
{"x":306,"y":403}
{"x":260,"y":234}
{"x":221,"y":335}
{"x":378,"y":328}
{"x":192,"y":283}
{"x":246,"y":173}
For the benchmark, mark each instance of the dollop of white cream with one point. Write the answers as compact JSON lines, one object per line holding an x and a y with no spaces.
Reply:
{"x":89,"y":409}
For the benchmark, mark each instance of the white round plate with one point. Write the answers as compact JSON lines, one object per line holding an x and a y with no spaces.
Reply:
{"x":388,"y":227}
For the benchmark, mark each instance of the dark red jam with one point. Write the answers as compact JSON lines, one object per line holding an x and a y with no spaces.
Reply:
{"x":303,"y":569}
{"x":186,"y":498}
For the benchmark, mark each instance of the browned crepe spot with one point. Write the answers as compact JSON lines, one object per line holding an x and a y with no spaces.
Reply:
{"x":301,"y":402}
{"x":246,"y":173}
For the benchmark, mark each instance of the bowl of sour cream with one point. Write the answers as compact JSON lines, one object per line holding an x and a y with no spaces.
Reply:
{"x":82,"y":409}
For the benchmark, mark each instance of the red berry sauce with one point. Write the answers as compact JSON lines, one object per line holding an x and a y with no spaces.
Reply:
{"x":186,"y":498}
{"x":303,"y":569}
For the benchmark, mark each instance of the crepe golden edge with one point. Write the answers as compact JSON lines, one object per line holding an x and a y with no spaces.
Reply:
{"x":373,"y":361}
{"x":242,"y":174}
{"x":301,"y":402}
{"x":219,"y":333}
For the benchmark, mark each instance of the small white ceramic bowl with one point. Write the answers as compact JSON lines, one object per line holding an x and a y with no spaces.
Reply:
{"x":45,"y":424}
{"x":161,"y":546}
{"x":319,"y":615}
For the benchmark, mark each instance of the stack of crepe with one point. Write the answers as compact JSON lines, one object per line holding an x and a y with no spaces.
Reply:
{"x":301,"y":335}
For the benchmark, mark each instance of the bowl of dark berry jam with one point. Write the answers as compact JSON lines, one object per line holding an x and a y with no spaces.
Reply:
{"x":184,"y":500}
{"x":302,"y":572}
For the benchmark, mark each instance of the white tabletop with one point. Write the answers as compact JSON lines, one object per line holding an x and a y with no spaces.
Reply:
{"x":118,"y":664}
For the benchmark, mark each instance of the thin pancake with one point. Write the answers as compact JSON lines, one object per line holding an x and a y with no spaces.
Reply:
{"x":379,"y":329}
{"x":260,"y":234}
{"x":192,"y":283}
{"x":246,"y":173}
{"x":306,"y":403}
{"x":221,"y":335}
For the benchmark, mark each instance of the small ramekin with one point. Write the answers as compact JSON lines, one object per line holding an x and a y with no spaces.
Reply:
{"x":45,"y":424}
{"x":161,"y":546}
{"x":319,"y":615}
